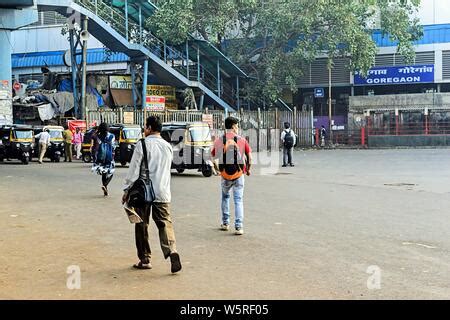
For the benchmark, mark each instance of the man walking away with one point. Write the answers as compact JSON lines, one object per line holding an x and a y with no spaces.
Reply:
{"x":159,"y":157}
{"x":68,"y":136}
{"x":289,"y":140}
{"x":323,"y":135}
{"x":234,"y":155}
{"x":44,"y":140}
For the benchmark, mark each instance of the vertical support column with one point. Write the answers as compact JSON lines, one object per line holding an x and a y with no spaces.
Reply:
{"x":5,"y":55}
{"x":187,"y":59}
{"x":74,"y":72}
{"x":6,"y":105}
{"x":140,"y":24}
{"x":397,"y":125}
{"x":426,"y":121}
{"x":198,"y":64}
{"x":126,"y":19}
{"x":368,"y":124}
{"x":202,"y":101}
{"x":83,"y":71}
{"x":218,"y":78}
{"x":165,"y":52}
{"x":294,"y":122}
{"x":96,"y":5}
{"x":133,"y":84}
{"x":144,"y":83}
{"x":329,"y":104}
{"x":258,"y":130}
{"x":363,"y":136}
{"x":238,"y":100}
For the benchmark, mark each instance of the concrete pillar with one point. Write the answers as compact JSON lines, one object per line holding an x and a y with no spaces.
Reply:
{"x":5,"y":55}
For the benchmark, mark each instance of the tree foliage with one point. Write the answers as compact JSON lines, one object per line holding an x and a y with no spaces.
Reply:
{"x":274,"y":40}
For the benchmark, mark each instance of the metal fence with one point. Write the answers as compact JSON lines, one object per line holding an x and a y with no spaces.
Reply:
{"x":261,"y":128}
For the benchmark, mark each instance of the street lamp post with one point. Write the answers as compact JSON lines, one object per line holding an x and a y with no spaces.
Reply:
{"x":330,"y":65}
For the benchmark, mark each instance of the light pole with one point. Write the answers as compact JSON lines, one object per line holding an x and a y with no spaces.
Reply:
{"x":330,"y":65}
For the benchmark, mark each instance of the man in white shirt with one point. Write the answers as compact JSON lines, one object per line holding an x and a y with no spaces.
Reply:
{"x":159,"y":157}
{"x":44,"y":140}
{"x":289,"y":140}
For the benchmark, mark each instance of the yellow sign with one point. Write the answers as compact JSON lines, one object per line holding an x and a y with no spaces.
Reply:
{"x":167,"y":92}
{"x":120,"y":82}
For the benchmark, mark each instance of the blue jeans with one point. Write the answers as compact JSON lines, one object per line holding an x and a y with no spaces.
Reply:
{"x":238,"y":195}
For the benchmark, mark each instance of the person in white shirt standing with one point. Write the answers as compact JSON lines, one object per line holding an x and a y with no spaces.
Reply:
{"x":289,"y":140}
{"x":44,"y":140}
{"x":159,"y":157}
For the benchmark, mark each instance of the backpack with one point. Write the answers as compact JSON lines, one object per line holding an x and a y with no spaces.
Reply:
{"x":288,"y":139}
{"x":105,"y":150}
{"x":232,"y":166}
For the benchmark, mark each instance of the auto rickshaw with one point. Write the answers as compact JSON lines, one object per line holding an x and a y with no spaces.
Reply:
{"x":86,"y":146}
{"x":192,"y":144}
{"x":126,"y":137}
{"x":16,"y":142}
{"x":55,"y":149}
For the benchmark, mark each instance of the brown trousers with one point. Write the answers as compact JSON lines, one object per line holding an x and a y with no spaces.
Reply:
{"x":161,"y":215}
{"x":67,"y":151}
{"x":43,"y":147}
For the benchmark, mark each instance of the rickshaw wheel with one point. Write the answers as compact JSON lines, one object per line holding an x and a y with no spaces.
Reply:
{"x":180,"y":171}
{"x":207,"y":172}
{"x":87,"y":158}
{"x":25,"y":160}
{"x":123,"y":163}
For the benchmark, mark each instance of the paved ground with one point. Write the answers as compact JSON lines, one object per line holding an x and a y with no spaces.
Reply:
{"x":311,"y":232}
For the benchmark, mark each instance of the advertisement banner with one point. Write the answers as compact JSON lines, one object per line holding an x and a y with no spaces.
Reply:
{"x":164,"y":91}
{"x":423,"y":73}
{"x":155,"y":103}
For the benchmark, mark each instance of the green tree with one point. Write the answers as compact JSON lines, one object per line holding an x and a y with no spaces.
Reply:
{"x":274,"y":40}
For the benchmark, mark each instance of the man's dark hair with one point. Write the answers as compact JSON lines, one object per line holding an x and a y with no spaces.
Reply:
{"x":154,"y":123}
{"x":230,"y":122}
{"x":287,"y":125}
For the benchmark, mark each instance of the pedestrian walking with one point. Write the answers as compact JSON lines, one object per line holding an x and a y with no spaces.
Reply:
{"x":159,"y":159}
{"x":234,"y":156}
{"x":77,"y":140}
{"x":44,"y":140}
{"x":289,"y":140}
{"x":104,"y":143}
{"x":68,"y":137}
{"x":323,"y":135}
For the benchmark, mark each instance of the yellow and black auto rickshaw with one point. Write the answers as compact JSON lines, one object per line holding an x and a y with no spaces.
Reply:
{"x":16,"y":142}
{"x":86,"y":146}
{"x":192,"y":144}
{"x":126,"y":137}
{"x":55,"y":148}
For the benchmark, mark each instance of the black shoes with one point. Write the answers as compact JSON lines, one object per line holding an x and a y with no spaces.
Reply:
{"x":175,"y":262}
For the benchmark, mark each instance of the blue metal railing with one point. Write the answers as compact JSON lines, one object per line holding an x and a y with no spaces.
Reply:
{"x":176,"y":59}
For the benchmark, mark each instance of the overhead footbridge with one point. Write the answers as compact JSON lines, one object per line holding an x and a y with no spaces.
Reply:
{"x":120,"y":26}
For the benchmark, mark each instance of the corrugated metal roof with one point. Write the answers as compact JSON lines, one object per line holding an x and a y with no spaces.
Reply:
{"x":55,"y":58}
{"x":438,"y":33}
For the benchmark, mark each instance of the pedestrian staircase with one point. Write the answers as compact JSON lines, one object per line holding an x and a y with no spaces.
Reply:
{"x":198,"y":64}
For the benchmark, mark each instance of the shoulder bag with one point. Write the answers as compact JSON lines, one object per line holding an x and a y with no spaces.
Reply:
{"x":141,"y":192}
